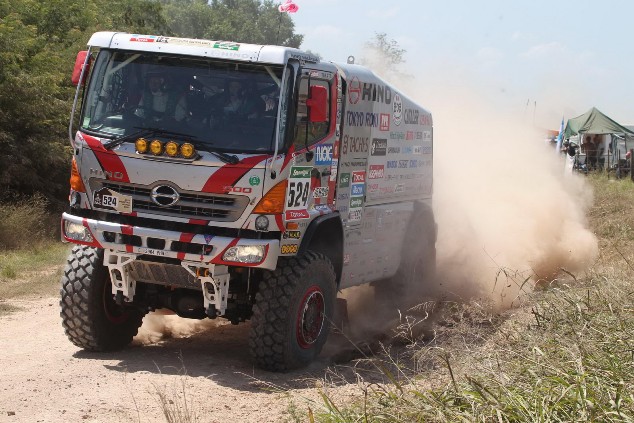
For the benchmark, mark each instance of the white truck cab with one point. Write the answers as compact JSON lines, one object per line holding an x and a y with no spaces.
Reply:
{"x":248,"y":182}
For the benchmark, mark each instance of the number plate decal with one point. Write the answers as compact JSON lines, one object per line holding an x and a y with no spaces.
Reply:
{"x":107,"y":199}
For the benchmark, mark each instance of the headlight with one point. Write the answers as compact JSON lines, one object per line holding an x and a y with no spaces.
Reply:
{"x":245,"y":254}
{"x":77,"y":232}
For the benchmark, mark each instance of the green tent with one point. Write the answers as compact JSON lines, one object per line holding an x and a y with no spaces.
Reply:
{"x":594,"y":122}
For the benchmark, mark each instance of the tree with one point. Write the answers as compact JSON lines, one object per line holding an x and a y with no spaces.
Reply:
{"x":384,"y":56}
{"x":245,"y":21}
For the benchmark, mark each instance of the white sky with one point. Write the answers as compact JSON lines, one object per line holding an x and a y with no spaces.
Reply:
{"x":561,"y":57}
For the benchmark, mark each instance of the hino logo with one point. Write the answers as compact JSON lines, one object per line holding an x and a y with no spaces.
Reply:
{"x":109,"y":175}
{"x":164,"y":195}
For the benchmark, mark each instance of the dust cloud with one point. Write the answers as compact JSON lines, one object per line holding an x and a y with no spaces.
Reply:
{"x":509,"y":216}
{"x":162,"y":324}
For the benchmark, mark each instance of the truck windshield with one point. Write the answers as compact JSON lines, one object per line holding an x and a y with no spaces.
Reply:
{"x":224,"y":105}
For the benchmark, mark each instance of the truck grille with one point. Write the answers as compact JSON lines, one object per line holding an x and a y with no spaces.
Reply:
{"x":191,"y":205}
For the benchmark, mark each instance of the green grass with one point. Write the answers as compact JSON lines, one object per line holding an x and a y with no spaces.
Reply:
{"x":32,"y":272}
{"x":566,"y":356}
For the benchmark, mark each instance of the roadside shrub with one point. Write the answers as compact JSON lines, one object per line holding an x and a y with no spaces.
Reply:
{"x":25,"y":223}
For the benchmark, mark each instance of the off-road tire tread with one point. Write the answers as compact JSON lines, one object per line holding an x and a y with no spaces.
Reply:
{"x":81,"y":303}
{"x":269,"y":322}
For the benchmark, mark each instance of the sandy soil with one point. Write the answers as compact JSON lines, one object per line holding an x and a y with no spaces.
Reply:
{"x":45,"y":378}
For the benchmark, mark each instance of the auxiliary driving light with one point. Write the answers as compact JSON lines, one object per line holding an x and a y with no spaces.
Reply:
{"x":156,"y":147}
{"x":171,"y":149}
{"x":187,"y":150}
{"x":141,"y":145}
{"x":245,"y":254}
{"x":77,"y":232}
{"x":262,"y":223}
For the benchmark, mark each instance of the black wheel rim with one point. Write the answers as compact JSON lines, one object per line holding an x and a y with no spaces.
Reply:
{"x":310,"y":318}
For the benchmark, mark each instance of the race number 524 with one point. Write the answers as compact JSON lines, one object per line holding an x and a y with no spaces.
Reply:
{"x":298,"y":192}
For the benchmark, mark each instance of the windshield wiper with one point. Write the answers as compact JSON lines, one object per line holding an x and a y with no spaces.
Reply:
{"x":108,"y":145}
{"x":227,"y":158}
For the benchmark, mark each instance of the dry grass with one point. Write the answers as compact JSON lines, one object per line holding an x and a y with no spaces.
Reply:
{"x":566,"y":356}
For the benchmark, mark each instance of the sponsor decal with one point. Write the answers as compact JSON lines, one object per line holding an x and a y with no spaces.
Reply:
{"x":356,"y":202}
{"x":333,"y":170}
{"x":409,"y":136}
{"x":355,"y":144}
{"x":323,"y":154}
{"x":208,"y":238}
{"x":376,"y":172}
{"x":373,"y":187}
{"x":344,"y":180}
{"x":322,"y":208}
{"x":376,"y":92}
{"x":296,"y":214}
{"x":254,"y":181}
{"x":417,"y":149}
{"x":354,"y":215}
{"x":143,"y":38}
{"x":397,"y":110}
{"x":226,"y":45}
{"x":426,"y":135}
{"x":392,"y":164}
{"x":289,"y":249}
{"x":300,"y":172}
{"x":419,"y":135}
{"x":384,"y":124}
{"x":343,"y":196}
{"x":410,"y":116}
{"x":379,"y":147}
{"x":292,"y":235}
{"x":357,"y":189}
{"x":399,"y":188}
{"x":354,"y":90}
{"x":320,"y":192}
{"x":393,"y":150}
{"x":402,"y":164}
{"x":358,"y":177}
{"x":425,"y":119}
{"x":397,"y":136}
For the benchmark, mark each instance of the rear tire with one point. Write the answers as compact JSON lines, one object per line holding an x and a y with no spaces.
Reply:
{"x":91,"y":318}
{"x":418,"y":262}
{"x":293,"y":312}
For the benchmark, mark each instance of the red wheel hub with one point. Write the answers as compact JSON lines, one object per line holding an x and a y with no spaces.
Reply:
{"x":310,"y":318}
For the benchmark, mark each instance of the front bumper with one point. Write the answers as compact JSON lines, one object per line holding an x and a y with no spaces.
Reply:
{"x":182,"y":246}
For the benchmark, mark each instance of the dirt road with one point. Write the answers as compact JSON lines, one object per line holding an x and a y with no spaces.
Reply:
{"x":44,"y":378}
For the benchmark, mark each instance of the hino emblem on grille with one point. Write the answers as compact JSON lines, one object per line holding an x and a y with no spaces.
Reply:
{"x":164,"y":195}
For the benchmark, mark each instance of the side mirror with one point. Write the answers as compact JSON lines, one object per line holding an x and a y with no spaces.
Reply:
{"x":79,"y":64}
{"x":317,"y":104}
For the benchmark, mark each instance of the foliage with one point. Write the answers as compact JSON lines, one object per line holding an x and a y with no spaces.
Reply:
{"x":384,"y":55}
{"x":38,"y":44}
{"x":247,"y":21}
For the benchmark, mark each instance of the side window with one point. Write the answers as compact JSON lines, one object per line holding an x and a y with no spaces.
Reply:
{"x":307,"y":133}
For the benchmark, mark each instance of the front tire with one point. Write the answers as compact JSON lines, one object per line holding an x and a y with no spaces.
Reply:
{"x":293,"y":312}
{"x":91,"y":318}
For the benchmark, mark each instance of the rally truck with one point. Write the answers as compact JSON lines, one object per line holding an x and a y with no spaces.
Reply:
{"x":247,"y":182}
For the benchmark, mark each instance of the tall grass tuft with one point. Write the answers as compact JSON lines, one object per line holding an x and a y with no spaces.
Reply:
{"x":26,"y":223}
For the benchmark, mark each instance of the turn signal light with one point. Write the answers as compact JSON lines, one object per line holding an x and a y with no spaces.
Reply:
{"x":75,"y":179}
{"x":273,"y":201}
